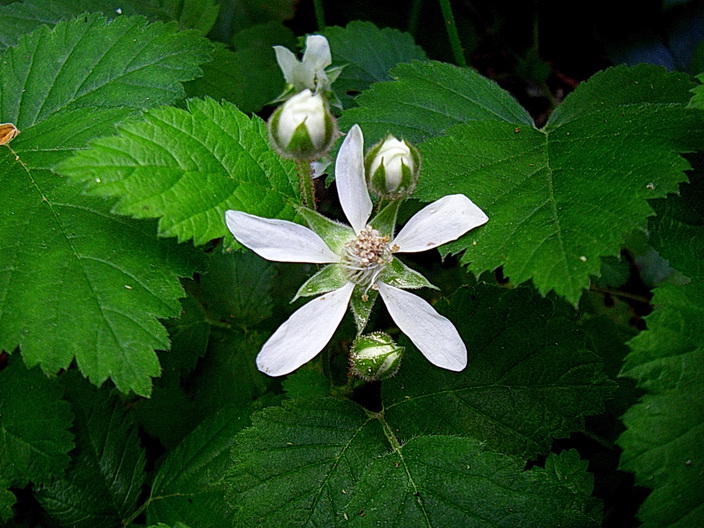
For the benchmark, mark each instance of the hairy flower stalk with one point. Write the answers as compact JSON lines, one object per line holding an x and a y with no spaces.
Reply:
{"x":361,"y":265}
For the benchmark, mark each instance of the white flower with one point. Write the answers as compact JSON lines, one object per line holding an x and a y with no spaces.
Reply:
{"x":361,"y":263}
{"x":308,"y":73}
{"x":393,"y":167}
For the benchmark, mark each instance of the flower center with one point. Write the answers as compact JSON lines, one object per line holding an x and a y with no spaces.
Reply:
{"x":365,"y":256}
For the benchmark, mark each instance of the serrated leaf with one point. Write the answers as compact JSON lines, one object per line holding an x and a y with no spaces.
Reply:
{"x":677,"y":231}
{"x":697,"y":100}
{"x":77,"y":282}
{"x":237,"y":289}
{"x":34,"y":426}
{"x":136,"y":65}
{"x":187,"y":167}
{"x":247,"y":76}
{"x":107,"y":472}
{"x":188,"y":484}
{"x":24,"y":17}
{"x":426,"y":99}
{"x":455,"y":483}
{"x":297,"y":464}
{"x":325,"y":462}
{"x":7,"y":501}
{"x":561,"y":198}
{"x":368,"y":54}
{"x":530,"y":378}
{"x":663,"y":441}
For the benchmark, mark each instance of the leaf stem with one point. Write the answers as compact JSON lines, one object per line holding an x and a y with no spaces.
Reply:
{"x":625,"y":295}
{"x":319,"y":14}
{"x":305,"y":181}
{"x":455,"y":43}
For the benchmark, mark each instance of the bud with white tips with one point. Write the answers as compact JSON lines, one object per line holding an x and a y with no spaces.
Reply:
{"x":393,"y":167}
{"x":375,"y":357}
{"x":302,"y":128}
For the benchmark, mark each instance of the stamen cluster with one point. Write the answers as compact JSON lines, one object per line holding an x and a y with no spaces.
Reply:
{"x":365,"y":256}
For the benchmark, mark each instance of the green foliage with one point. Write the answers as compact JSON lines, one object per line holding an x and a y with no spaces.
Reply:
{"x":188,"y":485}
{"x":663,"y":441}
{"x":34,"y":430}
{"x":367,"y":53}
{"x":325,"y":461}
{"x":131,"y":319}
{"x":162,"y":164}
{"x":23,"y":17}
{"x":530,"y":377}
{"x":107,"y":471}
{"x":66,"y":258}
{"x":560,"y":198}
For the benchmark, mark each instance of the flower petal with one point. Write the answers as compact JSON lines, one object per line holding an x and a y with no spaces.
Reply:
{"x":279,"y":240}
{"x":442,"y":221}
{"x":306,"y":332}
{"x":287,"y":62}
{"x":433,"y":334}
{"x":351,"y":184}
{"x":317,"y":55}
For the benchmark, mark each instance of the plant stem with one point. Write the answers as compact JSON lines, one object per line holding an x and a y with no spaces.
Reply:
{"x":455,"y":43}
{"x":305,"y":181}
{"x":319,"y":14}
{"x":414,"y":17}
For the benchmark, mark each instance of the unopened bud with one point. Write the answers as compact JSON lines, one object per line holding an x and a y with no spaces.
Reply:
{"x":302,"y":128}
{"x":375,"y":357}
{"x":393,"y":167}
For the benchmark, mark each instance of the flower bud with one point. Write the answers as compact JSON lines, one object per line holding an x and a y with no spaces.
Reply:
{"x":393,"y":168}
{"x":375,"y":356}
{"x":303,"y":127}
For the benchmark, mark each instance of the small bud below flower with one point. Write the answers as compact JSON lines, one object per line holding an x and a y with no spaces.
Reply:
{"x":302,"y":128}
{"x":375,"y":357}
{"x":393,"y":167}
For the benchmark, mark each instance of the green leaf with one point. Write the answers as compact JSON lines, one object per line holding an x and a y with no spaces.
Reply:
{"x":188,"y":485}
{"x":561,"y":198}
{"x":34,"y":426}
{"x":228,"y":374}
{"x":187,"y":167}
{"x":221,"y":288}
{"x":697,"y":100}
{"x":249,"y":76}
{"x":175,"y":525}
{"x":368,"y":54}
{"x":105,"y":479}
{"x":530,"y":378}
{"x":77,"y":282}
{"x":454,"y":482}
{"x":136,"y":65}
{"x":677,"y":232}
{"x":325,"y":462}
{"x":426,"y":99}
{"x":24,"y":17}
{"x":7,"y":500}
{"x":663,"y":441}
{"x":298,"y":464}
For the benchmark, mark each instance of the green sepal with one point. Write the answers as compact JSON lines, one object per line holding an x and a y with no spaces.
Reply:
{"x":301,"y":145}
{"x":362,"y":309}
{"x":385,"y":220}
{"x":399,"y":275}
{"x":335,"y":234}
{"x":331,"y":277}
